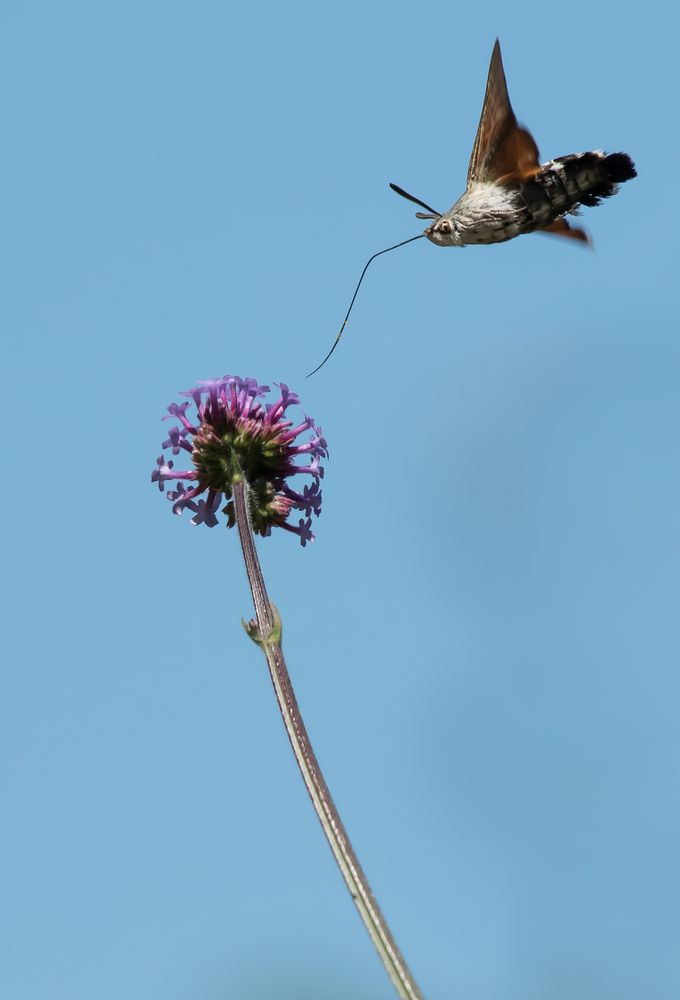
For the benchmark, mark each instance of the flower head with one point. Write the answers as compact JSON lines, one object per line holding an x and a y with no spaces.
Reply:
{"x":231,"y":438}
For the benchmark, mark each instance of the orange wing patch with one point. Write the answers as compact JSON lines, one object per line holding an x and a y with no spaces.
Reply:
{"x":560,"y":227}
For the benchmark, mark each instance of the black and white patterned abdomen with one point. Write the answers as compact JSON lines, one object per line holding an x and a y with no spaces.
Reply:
{"x":564,"y":184}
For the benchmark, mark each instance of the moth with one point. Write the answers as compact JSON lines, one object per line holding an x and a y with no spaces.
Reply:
{"x":509,"y":191}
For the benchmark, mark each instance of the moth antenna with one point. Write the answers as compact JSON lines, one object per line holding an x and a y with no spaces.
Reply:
{"x":417,"y":201}
{"x":344,"y":322}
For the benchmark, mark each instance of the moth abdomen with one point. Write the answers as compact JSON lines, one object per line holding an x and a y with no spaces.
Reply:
{"x":584,"y":178}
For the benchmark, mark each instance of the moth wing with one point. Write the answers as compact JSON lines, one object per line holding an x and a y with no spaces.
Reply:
{"x":502,"y":149}
{"x":560,"y":227}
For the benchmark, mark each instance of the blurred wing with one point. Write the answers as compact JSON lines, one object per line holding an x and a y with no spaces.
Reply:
{"x":560,"y":227}
{"x":502,"y":149}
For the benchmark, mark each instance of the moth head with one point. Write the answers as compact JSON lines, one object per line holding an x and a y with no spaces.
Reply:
{"x":442,"y":232}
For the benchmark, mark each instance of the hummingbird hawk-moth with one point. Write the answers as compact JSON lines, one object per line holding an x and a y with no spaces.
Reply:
{"x":509,"y":191}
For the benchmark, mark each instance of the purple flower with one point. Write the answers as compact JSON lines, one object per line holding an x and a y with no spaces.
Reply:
{"x":232,"y":437}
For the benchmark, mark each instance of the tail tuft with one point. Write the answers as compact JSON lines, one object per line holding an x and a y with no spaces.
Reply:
{"x":619,"y":167}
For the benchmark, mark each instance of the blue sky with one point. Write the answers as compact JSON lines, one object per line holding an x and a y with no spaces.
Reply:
{"x":484,"y":637}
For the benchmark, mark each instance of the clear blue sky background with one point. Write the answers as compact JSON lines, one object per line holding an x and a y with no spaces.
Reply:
{"x":484,"y":637}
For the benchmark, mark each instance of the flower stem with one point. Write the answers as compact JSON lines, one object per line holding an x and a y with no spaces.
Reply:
{"x":269,"y":638}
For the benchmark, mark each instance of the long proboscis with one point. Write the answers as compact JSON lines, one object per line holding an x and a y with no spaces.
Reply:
{"x":366,"y":266}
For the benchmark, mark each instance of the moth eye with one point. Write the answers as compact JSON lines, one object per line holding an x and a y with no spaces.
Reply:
{"x":445,"y":226}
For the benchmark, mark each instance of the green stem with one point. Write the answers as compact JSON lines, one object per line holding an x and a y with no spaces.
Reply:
{"x":268,"y":627}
